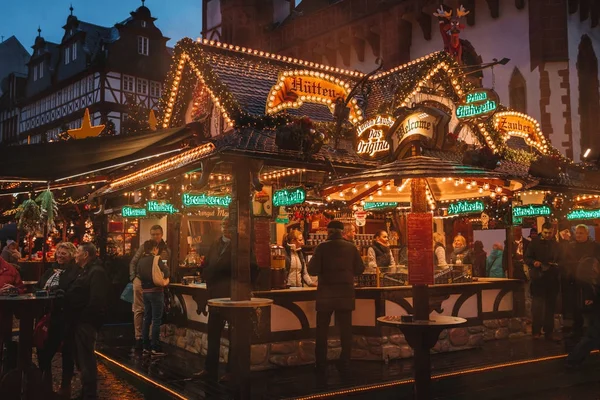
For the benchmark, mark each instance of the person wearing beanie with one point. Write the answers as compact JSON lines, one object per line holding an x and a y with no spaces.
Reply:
{"x":335,"y":262}
{"x":10,"y":253}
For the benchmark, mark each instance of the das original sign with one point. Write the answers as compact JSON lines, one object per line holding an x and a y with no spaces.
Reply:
{"x":371,"y":137}
{"x":477,"y":104}
{"x":293,"y":88}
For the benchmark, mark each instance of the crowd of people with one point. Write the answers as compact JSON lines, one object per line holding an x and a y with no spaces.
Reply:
{"x":79,"y":285}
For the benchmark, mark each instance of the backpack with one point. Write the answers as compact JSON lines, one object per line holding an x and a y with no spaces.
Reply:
{"x":157,"y":275}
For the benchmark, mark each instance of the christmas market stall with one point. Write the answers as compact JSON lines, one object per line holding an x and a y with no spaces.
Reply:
{"x":45,"y":187}
{"x":275,"y":129}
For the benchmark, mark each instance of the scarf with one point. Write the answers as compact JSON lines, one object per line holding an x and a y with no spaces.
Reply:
{"x":383,"y":255}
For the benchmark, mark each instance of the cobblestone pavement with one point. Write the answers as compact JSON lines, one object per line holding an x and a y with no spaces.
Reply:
{"x":109,"y":385}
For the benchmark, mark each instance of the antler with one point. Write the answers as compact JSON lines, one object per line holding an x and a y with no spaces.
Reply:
{"x":461,"y":12}
{"x":441,"y":13}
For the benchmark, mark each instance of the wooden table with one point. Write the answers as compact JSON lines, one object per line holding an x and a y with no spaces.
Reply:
{"x":15,"y":383}
{"x":422,"y":336}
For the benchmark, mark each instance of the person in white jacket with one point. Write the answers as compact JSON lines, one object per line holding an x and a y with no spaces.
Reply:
{"x":439,"y":251}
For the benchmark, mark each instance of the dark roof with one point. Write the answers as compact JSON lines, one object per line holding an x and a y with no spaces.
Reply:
{"x":95,"y":35}
{"x":261,"y":144}
{"x":421,"y":167}
{"x":51,"y":161}
{"x":13,"y":58}
{"x":250,"y":77}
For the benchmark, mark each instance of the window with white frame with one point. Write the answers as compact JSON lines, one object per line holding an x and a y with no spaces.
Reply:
{"x":154,"y":89}
{"x":142,"y":86}
{"x":74,"y":51}
{"x":41,"y":67}
{"x":67,"y":55}
{"x":128,"y":83}
{"x":143,"y":44}
{"x":90,"y":83}
{"x":35,"y":74}
{"x":143,"y":24}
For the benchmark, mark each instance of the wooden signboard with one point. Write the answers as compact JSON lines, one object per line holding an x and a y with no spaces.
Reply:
{"x":262,"y":240}
{"x":420,"y":248}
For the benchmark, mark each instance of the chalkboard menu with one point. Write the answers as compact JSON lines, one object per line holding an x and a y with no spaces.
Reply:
{"x":420,"y":248}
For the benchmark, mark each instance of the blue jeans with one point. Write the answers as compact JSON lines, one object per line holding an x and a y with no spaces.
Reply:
{"x":154,"y":305}
{"x":590,"y":341}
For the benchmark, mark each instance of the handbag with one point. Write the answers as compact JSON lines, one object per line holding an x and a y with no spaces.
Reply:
{"x":40,"y":333}
{"x":157,"y":275}
{"x":127,"y":294}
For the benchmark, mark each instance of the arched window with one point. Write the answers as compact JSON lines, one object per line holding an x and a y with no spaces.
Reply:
{"x":589,"y":100}
{"x":517,"y":91}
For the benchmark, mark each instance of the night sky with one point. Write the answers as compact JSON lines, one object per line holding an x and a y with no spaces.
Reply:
{"x":176,"y":18}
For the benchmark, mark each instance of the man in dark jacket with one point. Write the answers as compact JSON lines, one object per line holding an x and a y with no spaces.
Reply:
{"x":542,"y":258}
{"x":217,"y":274}
{"x":336,"y":262}
{"x":576,"y":251}
{"x":519,"y":249}
{"x":588,"y":278}
{"x":85,"y":311}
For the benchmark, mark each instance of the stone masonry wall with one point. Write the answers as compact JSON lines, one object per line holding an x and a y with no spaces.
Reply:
{"x":301,"y":352}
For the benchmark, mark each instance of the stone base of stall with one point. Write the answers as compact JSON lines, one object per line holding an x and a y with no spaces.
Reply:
{"x":302,"y":352}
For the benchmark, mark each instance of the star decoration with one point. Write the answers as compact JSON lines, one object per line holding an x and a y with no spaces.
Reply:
{"x":86,"y":130}
{"x":152,"y":122}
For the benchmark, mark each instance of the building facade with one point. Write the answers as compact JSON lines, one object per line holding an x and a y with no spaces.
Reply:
{"x":13,"y":71}
{"x":553,"y":47}
{"x":104,"y":69}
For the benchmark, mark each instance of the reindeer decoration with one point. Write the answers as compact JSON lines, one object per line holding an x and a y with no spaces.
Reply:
{"x":450,"y":28}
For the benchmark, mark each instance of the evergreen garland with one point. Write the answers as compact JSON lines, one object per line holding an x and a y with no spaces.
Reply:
{"x":48,"y":208}
{"x":29,"y":217}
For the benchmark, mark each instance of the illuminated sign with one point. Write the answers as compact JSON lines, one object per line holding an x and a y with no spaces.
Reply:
{"x":289,"y":197}
{"x":160,"y":208}
{"x":584,"y":214}
{"x":371,"y":142}
{"x":427,"y":125}
{"x":466,"y":207}
{"x":294,"y":88}
{"x":132,"y":212}
{"x":531,"y":210}
{"x":513,"y":123}
{"x":379,"y":204}
{"x":203,"y":199}
{"x":476,"y":104}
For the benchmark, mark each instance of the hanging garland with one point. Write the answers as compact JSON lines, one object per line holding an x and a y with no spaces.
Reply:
{"x":29,"y":217}
{"x":48,"y":208}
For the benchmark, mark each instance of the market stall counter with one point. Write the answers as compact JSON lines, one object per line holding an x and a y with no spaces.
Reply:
{"x":283,"y":334}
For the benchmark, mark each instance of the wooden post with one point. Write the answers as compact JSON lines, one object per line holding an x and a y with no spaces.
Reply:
{"x":420,"y":292}
{"x":510,"y":244}
{"x":240,"y":322}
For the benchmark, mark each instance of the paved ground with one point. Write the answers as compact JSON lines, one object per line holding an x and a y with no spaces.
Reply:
{"x":589,"y":391}
{"x":109,"y":386}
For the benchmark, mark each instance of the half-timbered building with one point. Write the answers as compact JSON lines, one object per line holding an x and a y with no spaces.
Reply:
{"x":13,"y":72}
{"x":100,"y":68}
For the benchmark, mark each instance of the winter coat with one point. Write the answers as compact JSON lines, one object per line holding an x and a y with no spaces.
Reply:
{"x":304,"y":277}
{"x":336,"y":262}
{"x":494,"y":264}
{"x":86,"y":299}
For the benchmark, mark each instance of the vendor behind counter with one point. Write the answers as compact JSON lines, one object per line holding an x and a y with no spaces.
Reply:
{"x":379,"y":254}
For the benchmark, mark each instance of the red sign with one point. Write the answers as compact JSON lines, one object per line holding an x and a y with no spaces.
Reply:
{"x":420,"y":248}
{"x":262,"y":240}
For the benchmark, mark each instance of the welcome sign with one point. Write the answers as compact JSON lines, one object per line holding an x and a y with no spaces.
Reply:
{"x":371,"y":137}
{"x":421,"y":123}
